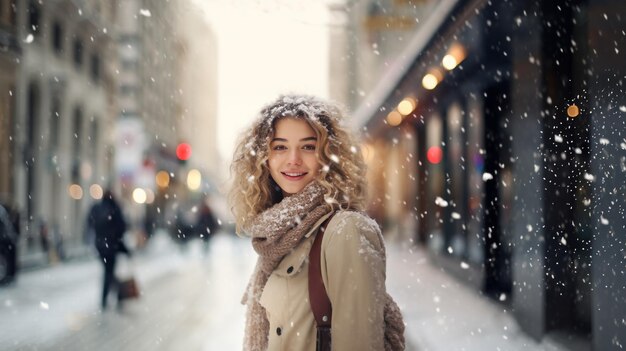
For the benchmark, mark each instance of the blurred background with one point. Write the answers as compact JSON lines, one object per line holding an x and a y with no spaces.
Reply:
{"x":493,"y":130}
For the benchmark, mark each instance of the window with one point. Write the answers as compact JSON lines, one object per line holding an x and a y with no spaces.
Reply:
{"x":95,"y":67}
{"x":57,"y":37}
{"x":34,"y":17}
{"x":78,"y":52}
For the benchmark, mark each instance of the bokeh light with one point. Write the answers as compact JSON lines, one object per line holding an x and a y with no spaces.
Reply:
{"x":434,"y":154}
{"x":139,"y":195}
{"x":406,"y":106}
{"x":430,"y":81}
{"x":573,"y":111}
{"x":163,"y":179}
{"x":394,"y":118}
{"x":194,"y":179}
{"x":75,"y":191}
{"x":95,"y":191}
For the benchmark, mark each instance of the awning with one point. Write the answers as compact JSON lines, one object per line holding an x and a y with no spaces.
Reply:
{"x":441,"y":16}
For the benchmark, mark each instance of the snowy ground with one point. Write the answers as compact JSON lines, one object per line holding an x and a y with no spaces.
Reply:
{"x":443,"y":314}
{"x":190,"y":301}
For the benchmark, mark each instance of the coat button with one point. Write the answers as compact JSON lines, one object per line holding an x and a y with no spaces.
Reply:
{"x":279,"y":331}
{"x":290,"y":269}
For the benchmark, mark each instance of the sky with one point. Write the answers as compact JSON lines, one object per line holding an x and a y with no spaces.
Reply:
{"x":265,"y":48}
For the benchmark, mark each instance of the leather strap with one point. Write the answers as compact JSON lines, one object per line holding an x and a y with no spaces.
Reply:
{"x":320,"y":303}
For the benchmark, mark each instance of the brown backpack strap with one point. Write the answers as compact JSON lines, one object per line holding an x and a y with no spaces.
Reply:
{"x":320,"y":303}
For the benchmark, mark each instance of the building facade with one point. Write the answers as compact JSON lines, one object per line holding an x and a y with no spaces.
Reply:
{"x":502,"y":129}
{"x":62,"y":98}
{"x":10,"y":54}
{"x":73,"y":73}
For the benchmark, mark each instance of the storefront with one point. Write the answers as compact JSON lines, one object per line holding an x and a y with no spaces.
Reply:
{"x":493,"y":112}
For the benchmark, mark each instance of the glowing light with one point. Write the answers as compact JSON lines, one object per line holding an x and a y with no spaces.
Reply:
{"x":449,"y":62}
{"x":406,"y":106}
{"x":455,"y":55}
{"x":95,"y":191}
{"x":75,"y":191}
{"x":194,"y":179}
{"x":183,"y":151}
{"x":430,"y":81}
{"x":434,"y":154}
{"x":573,"y":111}
{"x":139,"y":195}
{"x":394,"y":118}
{"x":163,"y":179}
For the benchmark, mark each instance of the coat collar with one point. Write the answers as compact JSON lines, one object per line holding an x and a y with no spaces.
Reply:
{"x":292,"y":262}
{"x":317,"y":224}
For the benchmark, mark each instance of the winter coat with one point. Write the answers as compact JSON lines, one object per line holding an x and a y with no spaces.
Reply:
{"x":107,"y":221}
{"x":353,"y":270}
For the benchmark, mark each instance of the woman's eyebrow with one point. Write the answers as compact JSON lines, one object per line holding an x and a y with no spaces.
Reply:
{"x":312,"y":138}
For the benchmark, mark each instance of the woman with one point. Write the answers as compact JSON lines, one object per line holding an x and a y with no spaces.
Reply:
{"x":297,"y":169}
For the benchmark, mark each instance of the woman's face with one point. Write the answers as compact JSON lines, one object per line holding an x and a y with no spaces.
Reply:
{"x":293,"y":157}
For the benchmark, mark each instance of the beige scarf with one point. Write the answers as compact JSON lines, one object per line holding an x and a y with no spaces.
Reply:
{"x":276,"y":232}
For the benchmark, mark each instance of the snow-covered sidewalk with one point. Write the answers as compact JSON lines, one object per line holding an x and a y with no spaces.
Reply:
{"x":441,"y":313}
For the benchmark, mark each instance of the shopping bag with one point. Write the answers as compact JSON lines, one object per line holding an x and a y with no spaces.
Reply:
{"x":128,"y":289}
{"x":127,"y":286}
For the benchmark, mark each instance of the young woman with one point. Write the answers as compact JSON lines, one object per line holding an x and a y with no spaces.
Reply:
{"x":295,"y":171}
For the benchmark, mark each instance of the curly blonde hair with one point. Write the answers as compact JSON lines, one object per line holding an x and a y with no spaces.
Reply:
{"x":342,"y":174}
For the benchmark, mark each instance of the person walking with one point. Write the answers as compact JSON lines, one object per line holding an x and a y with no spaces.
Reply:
{"x":107,"y":221}
{"x":299,"y":176}
{"x":207,"y":224}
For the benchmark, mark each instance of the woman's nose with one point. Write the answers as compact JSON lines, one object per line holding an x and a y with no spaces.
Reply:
{"x":295,"y":157}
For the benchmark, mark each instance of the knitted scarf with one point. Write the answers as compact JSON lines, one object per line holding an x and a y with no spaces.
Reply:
{"x":275,"y":233}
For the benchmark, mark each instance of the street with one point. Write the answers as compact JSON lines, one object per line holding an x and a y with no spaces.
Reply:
{"x":190,"y":301}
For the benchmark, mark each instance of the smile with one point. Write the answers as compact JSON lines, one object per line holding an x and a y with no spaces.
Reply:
{"x":294,"y":175}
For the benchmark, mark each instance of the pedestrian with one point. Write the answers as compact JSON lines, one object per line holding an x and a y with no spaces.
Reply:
{"x":206,"y":224}
{"x":44,"y":238}
{"x":107,"y":222}
{"x":297,"y":171}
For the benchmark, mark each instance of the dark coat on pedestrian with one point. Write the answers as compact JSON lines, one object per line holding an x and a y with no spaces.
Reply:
{"x":107,"y":221}
{"x":207,"y":224}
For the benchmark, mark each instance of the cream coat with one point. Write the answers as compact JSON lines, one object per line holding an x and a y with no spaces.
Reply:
{"x":353,"y":271}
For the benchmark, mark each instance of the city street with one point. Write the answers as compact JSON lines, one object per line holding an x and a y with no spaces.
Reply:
{"x":486,"y":138}
{"x":190,"y":301}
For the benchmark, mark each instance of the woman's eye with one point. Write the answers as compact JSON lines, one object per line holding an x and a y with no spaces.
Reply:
{"x":309,"y":147}
{"x":279,"y":147}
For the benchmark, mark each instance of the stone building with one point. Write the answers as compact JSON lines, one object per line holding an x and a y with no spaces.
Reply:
{"x":10,"y":54}
{"x":63,"y":114}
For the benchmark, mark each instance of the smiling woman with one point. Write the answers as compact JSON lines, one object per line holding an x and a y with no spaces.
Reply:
{"x":298,"y":191}
{"x":293,"y":159}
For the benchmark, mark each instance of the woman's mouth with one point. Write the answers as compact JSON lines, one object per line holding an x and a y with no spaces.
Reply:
{"x":294,"y":175}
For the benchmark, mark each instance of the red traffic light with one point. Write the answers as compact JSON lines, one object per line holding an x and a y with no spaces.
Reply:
{"x":434,"y":154}
{"x":183,"y":151}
